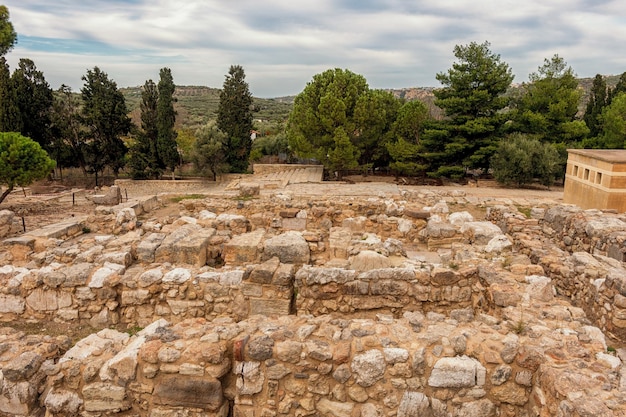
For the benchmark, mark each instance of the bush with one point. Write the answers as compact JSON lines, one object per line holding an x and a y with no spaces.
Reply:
{"x":521,"y":160}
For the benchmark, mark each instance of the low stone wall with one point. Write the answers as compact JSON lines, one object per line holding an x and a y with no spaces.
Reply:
{"x":136,"y":188}
{"x":383,"y":291}
{"x":586,"y":266}
{"x":417,"y":365}
{"x":264,"y":169}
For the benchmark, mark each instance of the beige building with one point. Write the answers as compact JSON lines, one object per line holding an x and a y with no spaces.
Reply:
{"x":596,"y":178}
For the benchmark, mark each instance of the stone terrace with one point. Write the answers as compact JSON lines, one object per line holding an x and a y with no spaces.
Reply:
{"x":330,"y":300}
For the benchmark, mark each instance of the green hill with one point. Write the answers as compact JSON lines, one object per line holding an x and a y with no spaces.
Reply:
{"x":196,"y":105}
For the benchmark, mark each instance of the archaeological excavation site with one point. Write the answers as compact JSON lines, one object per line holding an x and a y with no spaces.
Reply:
{"x":274,"y":296}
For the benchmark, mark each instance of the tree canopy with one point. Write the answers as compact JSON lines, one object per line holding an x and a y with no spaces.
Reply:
{"x":472,"y":97}
{"x":338,"y":104}
{"x":34,"y":102}
{"x":166,"y":118}
{"x":8,"y":37}
{"x":106,"y":118}
{"x":22,"y":161}
{"x":234,"y":118}
{"x":548,"y":105}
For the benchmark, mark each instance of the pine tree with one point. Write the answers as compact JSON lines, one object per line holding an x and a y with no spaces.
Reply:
{"x":144,"y":160}
{"x":9,"y":111}
{"x":106,"y":118}
{"x":34,"y":101}
{"x":597,"y":101}
{"x":8,"y":37}
{"x":472,"y":98}
{"x":234,"y":118}
{"x":167,"y":150}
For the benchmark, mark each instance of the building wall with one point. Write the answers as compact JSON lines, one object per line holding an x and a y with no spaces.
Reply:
{"x":594,"y":183}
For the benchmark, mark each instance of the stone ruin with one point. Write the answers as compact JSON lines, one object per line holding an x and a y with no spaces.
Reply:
{"x":404,"y":305}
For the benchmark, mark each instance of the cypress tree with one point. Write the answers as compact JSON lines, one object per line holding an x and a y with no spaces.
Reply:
{"x":166,"y":148}
{"x":234,"y":118}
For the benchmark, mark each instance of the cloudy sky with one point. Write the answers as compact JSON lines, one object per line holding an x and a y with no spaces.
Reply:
{"x":281,"y":44}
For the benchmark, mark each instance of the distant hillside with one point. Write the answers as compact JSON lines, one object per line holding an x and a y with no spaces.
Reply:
{"x":196,"y":105}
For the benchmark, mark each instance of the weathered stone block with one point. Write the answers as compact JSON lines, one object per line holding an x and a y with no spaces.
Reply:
{"x":244,"y":248}
{"x":457,"y":372}
{"x":189,"y":392}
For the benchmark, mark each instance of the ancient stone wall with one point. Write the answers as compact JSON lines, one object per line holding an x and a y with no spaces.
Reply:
{"x":231,"y":310}
{"x":582,"y":251}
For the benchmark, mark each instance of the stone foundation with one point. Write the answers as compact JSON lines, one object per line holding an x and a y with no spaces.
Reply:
{"x":347,"y":307}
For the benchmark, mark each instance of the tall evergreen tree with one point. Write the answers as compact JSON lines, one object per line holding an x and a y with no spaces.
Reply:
{"x":67,"y":130}
{"x":144,"y":159}
{"x":34,"y":100}
{"x":106,"y":117}
{"x":472,"y":97}
{"x":598,"y":99}
{"x":337,"y":104}
{"x":9,"y":111}
{"x":8,"y":37}
{"x":549,"y":103}
{"x":234,"y":118}
{"x":620,"y":87}
{"x":167,"y":150}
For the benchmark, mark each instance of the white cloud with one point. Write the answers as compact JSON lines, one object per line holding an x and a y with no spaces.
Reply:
{"x":283,"y":43}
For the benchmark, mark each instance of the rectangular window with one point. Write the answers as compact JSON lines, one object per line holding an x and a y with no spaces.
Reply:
{"x":599,"y":178}
{"x":575,"y":173}
{"x":586,"y":176}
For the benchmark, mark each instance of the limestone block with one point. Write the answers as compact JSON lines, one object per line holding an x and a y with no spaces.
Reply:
{"x":62,"y":402}
{"x":480,"y":233}
{"x":76,"y":275}
{"x":294,"y":223}
{"x":149,"y":277}
{"x":147,"y":247}
{"x":182,"y":306}
{"x":308,"y":275}
{"x":23,"y":367}
{"x":177,"y":276}
{"x":251,"y":377}
{"x":272,"y":307}
{"x":51,"y":300}
{"x":498,"y":243}
{"x":414,"y":404}
{"x":192,"y":249}
{"x":244,"y":248}
{"x":369,"y":367}
{"x":457,"y":372}
{"x":105,"y":397}
{"x":166,"y":252}
{"x":458,"y":219}
{"x":540,"y":288}
{"x":263,"y":273}
{"x":290,"y":248}
{"x":367,"y":260}
{"x":112,"y":197}
{"x":11,"y":304}
{"x":228,"y":278}
{"x":334,"y":408}
{"x":339,"y":240}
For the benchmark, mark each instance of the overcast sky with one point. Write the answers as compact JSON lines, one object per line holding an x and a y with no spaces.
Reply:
{"x":281,"y":44}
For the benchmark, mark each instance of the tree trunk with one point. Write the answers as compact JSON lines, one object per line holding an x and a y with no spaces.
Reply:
{"x":6,"y":193}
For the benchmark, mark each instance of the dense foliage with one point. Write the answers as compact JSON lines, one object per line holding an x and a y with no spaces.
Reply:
{"x":479,"y":123}
{"x":521,"y":160}
{"x":105,"y":117}
{"x":22,"y":161}
{"x":234,"y":118}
